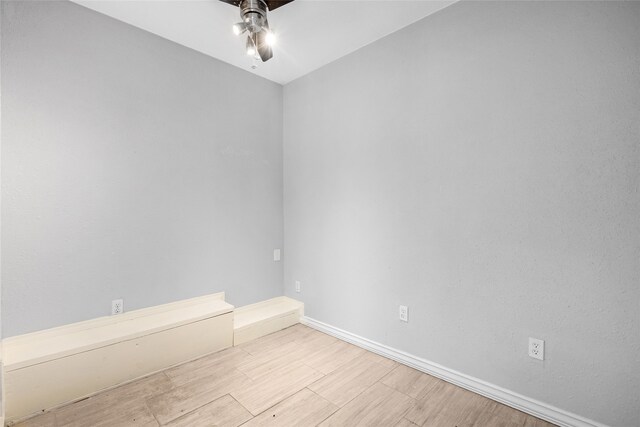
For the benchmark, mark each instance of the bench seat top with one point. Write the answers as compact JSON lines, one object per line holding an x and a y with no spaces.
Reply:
{"x":38,"y":347}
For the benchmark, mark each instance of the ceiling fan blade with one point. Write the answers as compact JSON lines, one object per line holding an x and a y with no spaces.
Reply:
{"x":264,"y":50}
{"x":271,"y":4}
{"x":231,"y":2}
{"x":274,"y":4}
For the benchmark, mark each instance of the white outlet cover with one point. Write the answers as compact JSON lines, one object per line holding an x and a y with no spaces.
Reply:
{"x":536,"y":348}
{"x":117,"y":306}
{"x":276,"y":254}
{"x":298,"y":286}
{"x":403,"y":313}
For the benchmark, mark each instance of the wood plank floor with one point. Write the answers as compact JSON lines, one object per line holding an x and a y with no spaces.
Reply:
{"x":294,"y":377}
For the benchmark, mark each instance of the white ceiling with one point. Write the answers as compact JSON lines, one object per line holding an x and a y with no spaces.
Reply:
{"x":311,"y":33}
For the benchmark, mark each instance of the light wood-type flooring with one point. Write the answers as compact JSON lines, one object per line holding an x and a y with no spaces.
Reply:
{"x":294,"y":377}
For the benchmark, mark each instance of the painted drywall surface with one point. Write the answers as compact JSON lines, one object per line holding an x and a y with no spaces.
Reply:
{"x":131,"y":168}
{"x":482,"y":167}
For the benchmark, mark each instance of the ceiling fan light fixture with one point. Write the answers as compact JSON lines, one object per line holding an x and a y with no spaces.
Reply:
{"x":251,"y":46}
{"x":239,"y":28}
{"x":270,"y":38}
{"x":253,"y":15}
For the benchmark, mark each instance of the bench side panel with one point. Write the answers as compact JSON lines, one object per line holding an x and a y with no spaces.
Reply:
{"x":47,"y":385}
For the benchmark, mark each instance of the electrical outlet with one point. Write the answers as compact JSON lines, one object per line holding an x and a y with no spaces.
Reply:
{"x":403,"y":313}
{"x":276,"y":254}
{"x":298,"y":286}
{"x":117,"y":306}
{"x":536,"y":348}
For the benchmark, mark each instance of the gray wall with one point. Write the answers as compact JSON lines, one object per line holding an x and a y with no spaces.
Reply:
{"x":482,"y":167}
{"x":131,"y":167}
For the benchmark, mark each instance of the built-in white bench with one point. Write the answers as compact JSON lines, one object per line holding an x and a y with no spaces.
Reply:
{"x":256,"y":320}
{"x":48,"y":368}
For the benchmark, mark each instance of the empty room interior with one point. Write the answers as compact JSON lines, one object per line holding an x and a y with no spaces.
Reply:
{"x":320,"y":213}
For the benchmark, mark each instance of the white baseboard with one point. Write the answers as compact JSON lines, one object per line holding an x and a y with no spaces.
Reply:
{"x":522,"y":403}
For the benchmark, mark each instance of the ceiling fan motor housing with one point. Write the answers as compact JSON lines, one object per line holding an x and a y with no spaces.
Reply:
{"x":254,"y":14}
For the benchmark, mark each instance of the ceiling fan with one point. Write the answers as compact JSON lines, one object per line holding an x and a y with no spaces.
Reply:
{"x":253,"y":13}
